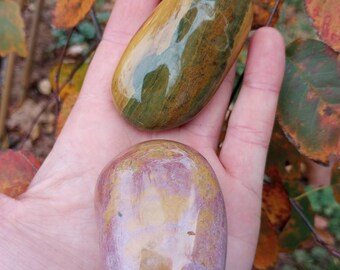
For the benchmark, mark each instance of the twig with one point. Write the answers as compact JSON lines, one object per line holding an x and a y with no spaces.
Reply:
{"x":6,"y":93}
{"x":31,"y":49}
{"x":303,"y":195}
{"x":9,"y":73}
{"x":1,"y":60}
{"x":317,"y":237}
{"x":35,"y":121}
{"x":57,"y":78}
{"x":54,"y":100}
{"x":96,"y":23}
{"x":60,"y":62}
{"x":77,"y":66}
{"x":273,"y":12}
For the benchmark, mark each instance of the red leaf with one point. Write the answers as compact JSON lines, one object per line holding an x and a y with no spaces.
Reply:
{"x":17,"y":169}
{"x":326,"y":20}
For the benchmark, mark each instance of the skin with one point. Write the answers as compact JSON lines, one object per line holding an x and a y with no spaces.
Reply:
{"x":53,"y":225}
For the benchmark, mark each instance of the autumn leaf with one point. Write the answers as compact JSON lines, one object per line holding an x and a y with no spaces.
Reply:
{"x":72,"y":86}
{"x":262,"y":10}
{"x":275,"y":200}
{"x":11,"y":29}
{"x":309,"y":105}
{"x":65,"y":111}
{"x":17,"y":169}
{"x":267,"y":250}
{"x":326,"y":20}
{"x":284,"y":156}
{"x":69,"y":93}
{"x":68,"y":13}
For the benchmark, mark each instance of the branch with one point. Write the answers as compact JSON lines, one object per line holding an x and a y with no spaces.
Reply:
{"x":35,"y":121}
{"x":273,"y":12}
{"x":60,"y":61}
{"x":317,"y":237}
{"x":1,"y":61}
{"x":96,"y":23}
{"x":57,"y":79}
{"x":31,"y":49}
{"x":77,"y":66}
{"x":6,"y":93}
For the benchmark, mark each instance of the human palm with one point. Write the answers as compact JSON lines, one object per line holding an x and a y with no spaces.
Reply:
{"x":53,"y":225}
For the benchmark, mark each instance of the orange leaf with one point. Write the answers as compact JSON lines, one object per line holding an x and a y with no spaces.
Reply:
{"x":267,"y":251}
{"x":262,"y":11}
{"x":17,"y":169}
{"x":66,"y":109}
{"x":68,"y":13}
{"x":275,"y":200}
{"x":326,"y":20}
{"x":11,"y":29}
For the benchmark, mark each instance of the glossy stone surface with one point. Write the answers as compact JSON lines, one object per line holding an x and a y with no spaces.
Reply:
{"x":159,"y":207}
{"x":177,"y":60}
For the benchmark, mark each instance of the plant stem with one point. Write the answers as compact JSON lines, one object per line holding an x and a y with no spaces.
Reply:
{"x":60,"y":63}
{"x":52,"y":102}
{"x":97,"y":26}
{"x":35,"y":121}
{"x":77,"y":66}
{"x":6,"y":93}
{"x":1,"y":61}
{"x":31,"y":49}
{"x":57,"y":79}
{"x":317,"y":237}
{"x":273,"y":12}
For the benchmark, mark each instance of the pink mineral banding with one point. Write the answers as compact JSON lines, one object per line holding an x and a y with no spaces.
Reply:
{"x":159,"y":207}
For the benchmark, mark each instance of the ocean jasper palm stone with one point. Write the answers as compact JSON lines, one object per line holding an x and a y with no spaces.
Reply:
{"x":178,"y":59}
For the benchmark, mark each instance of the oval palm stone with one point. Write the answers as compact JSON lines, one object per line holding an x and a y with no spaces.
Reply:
{"x":159,"y":207}
{"x":177,"y":60}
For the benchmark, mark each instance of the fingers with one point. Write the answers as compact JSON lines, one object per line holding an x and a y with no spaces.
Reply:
{"x":208,"y":122}
{"x":245,"y":147}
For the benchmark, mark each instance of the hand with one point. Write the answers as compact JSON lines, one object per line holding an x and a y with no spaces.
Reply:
{"x":53,"y":225}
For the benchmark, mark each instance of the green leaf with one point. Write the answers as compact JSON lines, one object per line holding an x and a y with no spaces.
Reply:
{"x":103,"y":16}
{"x":309,"y":106}
{"x":77,"y":38}
{"x":296,"y":231}
{"x":87,"y":30}
{"x":322,"y":199}
{"x":11,"y":29}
